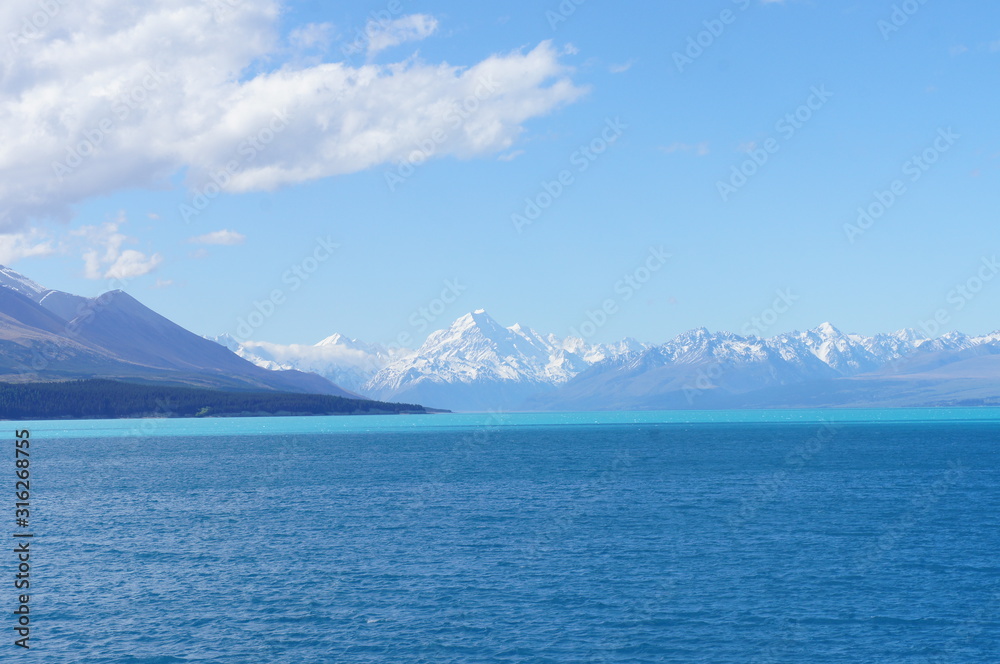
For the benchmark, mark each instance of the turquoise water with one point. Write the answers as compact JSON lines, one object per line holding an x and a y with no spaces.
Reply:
{"x":793,"y":536}
{"x":444,"y":421}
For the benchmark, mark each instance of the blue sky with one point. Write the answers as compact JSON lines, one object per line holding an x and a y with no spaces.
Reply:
{"x":825,"y":105}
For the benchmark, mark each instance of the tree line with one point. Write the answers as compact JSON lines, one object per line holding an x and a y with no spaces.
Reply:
{"x":110,"y":399}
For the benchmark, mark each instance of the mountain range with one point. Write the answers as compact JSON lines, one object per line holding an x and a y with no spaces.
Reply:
{"x":478,"y":364}
{"x":51,"y":335}
{"x":475,"y":364}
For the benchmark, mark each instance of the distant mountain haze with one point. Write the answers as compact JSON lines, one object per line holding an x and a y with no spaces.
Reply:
{"x":51,"y":335}
{"x":477,"y":364}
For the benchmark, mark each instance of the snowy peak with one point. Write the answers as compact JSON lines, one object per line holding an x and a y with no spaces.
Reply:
{"x":335,"y":339}
{"x":340,"y":341}
{"x":819,"y":353}
{"x":22,"y":284}
{"x":477,"y":320}
{"x":226,"y":340}
{"x":478,"y":363}
{"x":909,"y":335}
{"x":63,"y":305}
{"x":827,"y":331}
{"x":698,"y":334}
{"x":840,"y":352}
{"x":477,"y":354}
{"x":346,"y":362}
{"x":478,"y":337}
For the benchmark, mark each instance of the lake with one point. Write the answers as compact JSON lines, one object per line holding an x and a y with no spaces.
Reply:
{"x":750,"y":537}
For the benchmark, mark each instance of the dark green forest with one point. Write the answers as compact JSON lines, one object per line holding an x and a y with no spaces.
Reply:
{"x":109,"y":399}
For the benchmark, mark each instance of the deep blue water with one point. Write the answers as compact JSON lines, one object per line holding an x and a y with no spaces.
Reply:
{"x":562,"y":539}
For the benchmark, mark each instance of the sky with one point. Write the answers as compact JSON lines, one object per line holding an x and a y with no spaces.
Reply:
{"x":284,"y":171}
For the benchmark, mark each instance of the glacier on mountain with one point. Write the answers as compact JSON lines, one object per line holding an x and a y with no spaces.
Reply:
{"x":478,"y":364}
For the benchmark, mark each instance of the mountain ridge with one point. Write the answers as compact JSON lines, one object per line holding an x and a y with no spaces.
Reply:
{"x":478,"y":364}
{"x":115,"y":336}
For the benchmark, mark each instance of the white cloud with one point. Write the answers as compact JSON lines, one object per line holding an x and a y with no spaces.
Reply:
{"x":226,"y":237}
{"x":313,"y":35}
{"x":104,"y":255}
{"x":15,"y":246}
{"x":131,"y":264}
{"x":622,"y":68}
{"x":414,"y":27}
{"x":126,"y":95}
{"x":510,"y":156}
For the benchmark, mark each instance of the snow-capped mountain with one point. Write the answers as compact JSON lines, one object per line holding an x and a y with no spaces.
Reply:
{"x":51,"y":335}
{"x":475,"y":364}
{"x":692,"y":366}
{"x":849,"y":354}
{"x":346,"y":362}
{"x":65,"y":305}
{"x":699,"y":369}
{"x":478,"y":364}
{"x":22,"y":284}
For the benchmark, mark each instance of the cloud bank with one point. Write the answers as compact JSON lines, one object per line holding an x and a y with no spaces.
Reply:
{"x":224,"y":237}
{"x":100,"y":96}
{"x":406,"y":29}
